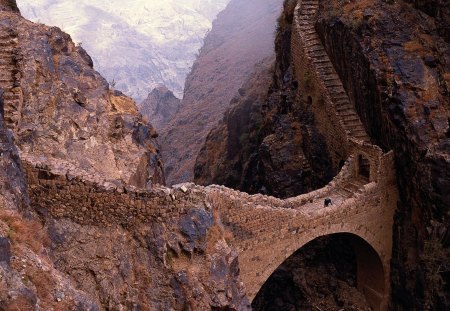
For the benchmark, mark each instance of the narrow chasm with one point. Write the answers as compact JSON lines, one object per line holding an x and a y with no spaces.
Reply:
{"x":319,"y":276}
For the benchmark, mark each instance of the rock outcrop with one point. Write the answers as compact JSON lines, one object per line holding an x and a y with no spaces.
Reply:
{"x":242,"y":36}
{"x":397,"y":75}
{"x":59,"y":107}
{"x":268,"y":141}
{"x":160,"y":106}
{"x":59,"y":117}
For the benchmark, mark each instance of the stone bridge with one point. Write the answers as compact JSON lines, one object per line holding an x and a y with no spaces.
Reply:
{"x":266,"y":230}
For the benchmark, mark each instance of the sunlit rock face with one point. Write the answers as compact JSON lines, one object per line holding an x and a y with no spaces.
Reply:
{"x":135,"y":44}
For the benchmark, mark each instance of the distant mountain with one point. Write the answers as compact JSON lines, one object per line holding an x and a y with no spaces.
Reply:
{"x":138,"y":44}
{"x":242,"y":36}
{"x":160,"y":106}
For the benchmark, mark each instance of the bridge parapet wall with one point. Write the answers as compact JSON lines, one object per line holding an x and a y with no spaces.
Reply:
{"x":266,"y":235}
{"x":87,"y":201}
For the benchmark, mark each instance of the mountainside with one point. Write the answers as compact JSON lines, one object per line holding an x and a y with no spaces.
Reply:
{"x":393,"y":60}
{"x":160,"y":106}
{"x":268,"y":141}
{"x":241,"y":37}
{"x":61,"y":109}
{"x":137,"y":44}
{"x":395,"y":65}
{"x":75,"y":157}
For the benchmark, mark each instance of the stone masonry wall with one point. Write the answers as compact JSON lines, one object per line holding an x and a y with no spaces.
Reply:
{"x":266,"y":230}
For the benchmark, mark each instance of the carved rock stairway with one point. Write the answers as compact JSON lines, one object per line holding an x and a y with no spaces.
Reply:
{"x":324,"y":67}
{"x":9,"y":77}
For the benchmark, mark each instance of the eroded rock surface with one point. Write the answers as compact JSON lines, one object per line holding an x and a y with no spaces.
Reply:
{"x":59,"y":107}
{"x":59,"y":117}
{"x":268,"y":141}
{"x":160,"y":106}
{"x":395,"y":65}
{"x":242,"y":36}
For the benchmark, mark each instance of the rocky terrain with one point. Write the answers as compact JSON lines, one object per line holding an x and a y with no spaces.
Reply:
{"x":60,"y":122}
{"x":268,"y":142}
{"x":60,"y":108}
{"x":241,"y":37}
{"x":395,"y":65}
{"x":136,"y":45}
{"x":160,"y":106}
{"x":393,"y":60}
{"x":85,"y":223}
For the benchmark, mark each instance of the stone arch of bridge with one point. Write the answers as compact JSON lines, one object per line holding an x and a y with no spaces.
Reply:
{"x":371,"y":273}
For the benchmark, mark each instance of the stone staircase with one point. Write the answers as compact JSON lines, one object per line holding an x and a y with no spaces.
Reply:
{"x":10,"y":77}
{"x":324,"y":67}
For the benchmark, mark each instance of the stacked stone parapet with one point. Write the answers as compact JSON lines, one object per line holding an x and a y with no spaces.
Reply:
{"x":62,"y":195}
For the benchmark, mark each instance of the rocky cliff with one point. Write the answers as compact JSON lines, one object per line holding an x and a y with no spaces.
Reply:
{"x":61,"y":128}
{"x":393,"y":59}
{"x":59,"y":107}
{"x":268,"y":141}
{"x":160,"y":106}
{"x":396,"y":74}
{"x":242,"y":36}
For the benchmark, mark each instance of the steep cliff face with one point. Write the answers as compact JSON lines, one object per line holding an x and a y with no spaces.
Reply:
{"x":395,"y":67}
{"x":59,"y":107}
{"x":242,"y":36}
{"x":440,"y":11}
{"x":160,"y":106}
{"x":61,"y":123}
{"x":267,"y":141}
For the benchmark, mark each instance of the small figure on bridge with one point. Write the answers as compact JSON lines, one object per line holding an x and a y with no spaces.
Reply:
{"x":327,"y":202}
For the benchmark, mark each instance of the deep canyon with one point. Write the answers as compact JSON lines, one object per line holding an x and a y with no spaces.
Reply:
{"x":289,"y":104}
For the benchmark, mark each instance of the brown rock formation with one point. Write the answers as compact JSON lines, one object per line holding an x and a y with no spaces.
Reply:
{"x":396,"y":73}
{"x":59,"y":107}
{"x":268,"y":141}
{"x":160,"y":106}
{"x":8,"y":5}
{"x":394,"y":64}
{"x":242,"y":36}
{"x":62,"y":119}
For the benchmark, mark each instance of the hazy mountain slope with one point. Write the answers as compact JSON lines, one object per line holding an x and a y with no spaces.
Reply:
{"x":160,"y":106}
{"x":138,"y":43}
{"x":241,"y":37}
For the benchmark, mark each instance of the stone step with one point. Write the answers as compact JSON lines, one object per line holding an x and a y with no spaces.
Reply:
{"x":343,"y":110}
{"x":325,"y":70}
{"x":336,"y":89}
{"x":344,"y":113}
{"x":5,"y":64}
{"x":12,"y":103}
{"x":6,"y":80}
{"x":312,"y":36}
{"x":354,"y":127}
{"x":316,"y":48}
{"x":351,"y":119}
{"x":332,"y":83}
{"x":360,"y":134}
{"x":309,"y":5}
{"x":309,"y":29}
{"x":307,"y":13}
{"x":339,"y":94}
{"x":11,"y":96}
